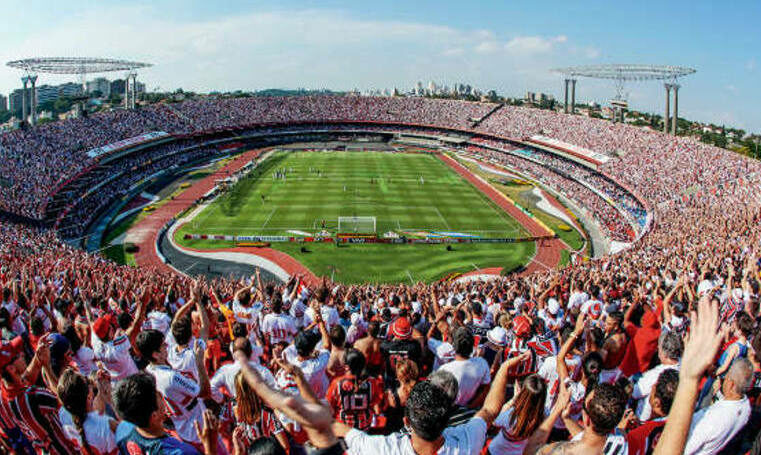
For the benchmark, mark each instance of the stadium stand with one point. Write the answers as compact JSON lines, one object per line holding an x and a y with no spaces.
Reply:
{"x":597,"y":349}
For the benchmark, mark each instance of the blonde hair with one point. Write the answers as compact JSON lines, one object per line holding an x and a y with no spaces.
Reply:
{"x":247,"y":402}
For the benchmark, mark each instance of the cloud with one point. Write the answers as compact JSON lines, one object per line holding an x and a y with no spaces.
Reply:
{"x":528,"y":45}
{"x":751,"y":64}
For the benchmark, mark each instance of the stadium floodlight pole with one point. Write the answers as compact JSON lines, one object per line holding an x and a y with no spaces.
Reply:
{"x":621,"y":73}
{"x":33,"y":99}
{"x":79,"y":66}
{"x":565,"y":104}
{"x":25,"y":81}
{"x":676,"y":109}
{"x":668,"y":110}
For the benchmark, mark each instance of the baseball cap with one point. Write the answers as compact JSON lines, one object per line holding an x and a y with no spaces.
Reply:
{"x":9,"y":350}
{"x":401,"y":329}
{"x":553,"y":306}
{"x":102,"y":324}
{"x":497,"y":335}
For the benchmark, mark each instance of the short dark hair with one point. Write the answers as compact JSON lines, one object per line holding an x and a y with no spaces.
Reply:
{"x":182,"y":330}
{"x":355,"y":361}
{"x":665,"y":388}
{"x":305,"y":343}
{"x":463,"y":342}
{"x":428,"y":408}
{"x":745,"y":323}
{"x":243,"y":344}
{"x":124,"y":320}
{"x":149,"y":342}
{"x":240,"y":330}
{"x":605,"y":407}
{"x":135,"y":399}
{"x":373,"y":328}
{"x":277,"y":304}
{"x":265,"y":446}
{"x":591,"y":365}
{"x":337,"y":336}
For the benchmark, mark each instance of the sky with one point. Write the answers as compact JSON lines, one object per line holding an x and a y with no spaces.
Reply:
{"x":508,"y":45}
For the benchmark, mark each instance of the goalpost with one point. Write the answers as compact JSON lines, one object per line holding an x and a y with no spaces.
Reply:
{"x":358,"y":224}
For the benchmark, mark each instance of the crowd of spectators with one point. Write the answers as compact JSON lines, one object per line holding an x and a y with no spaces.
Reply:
{"x":653,"y":350}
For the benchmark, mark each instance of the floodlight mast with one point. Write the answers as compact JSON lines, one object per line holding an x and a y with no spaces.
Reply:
{"x":79,"y":66}
{"x":620,"y":74}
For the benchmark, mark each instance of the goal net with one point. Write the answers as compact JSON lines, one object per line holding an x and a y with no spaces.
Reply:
{"x":359,"y":224}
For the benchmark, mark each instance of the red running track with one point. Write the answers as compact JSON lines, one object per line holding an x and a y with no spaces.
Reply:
{"x":547,"y":250}
{"x":145,"y":233}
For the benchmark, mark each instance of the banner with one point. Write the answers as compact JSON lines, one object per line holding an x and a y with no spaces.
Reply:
{"x":127,"y":143}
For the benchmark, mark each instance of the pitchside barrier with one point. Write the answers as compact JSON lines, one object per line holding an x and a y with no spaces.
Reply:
{"x":363,"y":238}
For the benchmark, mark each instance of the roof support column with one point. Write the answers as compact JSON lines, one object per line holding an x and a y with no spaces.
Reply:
{"x":573,"y":96}
{"x":676,"y":109}
{"x":666,"y":114}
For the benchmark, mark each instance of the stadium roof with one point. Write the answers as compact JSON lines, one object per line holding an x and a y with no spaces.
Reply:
{"x":75,"y":65}
{"x":627,"y":72}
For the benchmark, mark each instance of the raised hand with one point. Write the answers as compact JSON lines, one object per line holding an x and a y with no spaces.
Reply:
{"x":703,"y":341}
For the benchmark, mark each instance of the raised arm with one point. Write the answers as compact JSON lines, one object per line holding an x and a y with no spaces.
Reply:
{"x":496,"y":397}
{"x":562,"y":367}
{"x":315,"y":418}
{"x":134,"y":328}
{"x":701,"y":347}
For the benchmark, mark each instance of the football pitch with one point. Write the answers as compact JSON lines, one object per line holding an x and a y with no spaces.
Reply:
{"x":409,"y":194}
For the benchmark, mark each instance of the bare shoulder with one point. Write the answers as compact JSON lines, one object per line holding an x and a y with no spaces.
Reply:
{"x":556,"y":448}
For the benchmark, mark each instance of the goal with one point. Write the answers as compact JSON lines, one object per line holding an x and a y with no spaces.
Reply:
{"x":359,"y":224}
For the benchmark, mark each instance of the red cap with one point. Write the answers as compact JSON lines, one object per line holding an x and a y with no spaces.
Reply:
{"x":102,"y":324}
{"x":401,"y":329}
{"x":521,"y":326}
{"x":9,"y":350}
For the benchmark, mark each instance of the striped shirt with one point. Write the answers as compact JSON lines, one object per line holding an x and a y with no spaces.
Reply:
{"x":36,"y":413}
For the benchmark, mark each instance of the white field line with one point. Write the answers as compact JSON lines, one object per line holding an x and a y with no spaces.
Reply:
{"x":412,"y":281}
{"x":269,"y":218}
{"x":442,"y":217}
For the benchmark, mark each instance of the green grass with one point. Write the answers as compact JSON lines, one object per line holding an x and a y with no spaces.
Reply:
{"x":116,"y":252}
{"x":522,"y":195}
{"x":397,"y":198}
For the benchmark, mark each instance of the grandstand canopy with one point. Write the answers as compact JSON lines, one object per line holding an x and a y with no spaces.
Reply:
{"x":75,"y":65}
{"x":627,"y":72}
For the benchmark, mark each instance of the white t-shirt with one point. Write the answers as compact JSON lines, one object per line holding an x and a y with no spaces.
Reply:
{"x":181,"y":398}
{"x":157,"y":320}
{"x":313,"y":369}
{"x":470,"y":374}
{"x":549,"y":373}
{"x":115,"y":356}
{"x":644,"y":386}
{"x":329,"y":315}
{"x":577,"y":299}
{"x":97,"y":429}
{"x":443,"y":352}
{"x":278,"y":327}
{"x":225,"y":377}
{"x":503,"y":443}
{"x":85,"y":360}
{"x":465,"y":439}
{"x":183,"y":360}
{"x":713,"y":427}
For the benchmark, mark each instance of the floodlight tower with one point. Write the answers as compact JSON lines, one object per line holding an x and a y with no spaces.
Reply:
{"x":620,"y":74}
{"x":79,"y":66}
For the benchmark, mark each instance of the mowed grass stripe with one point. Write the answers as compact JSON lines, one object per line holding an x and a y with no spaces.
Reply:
{"x":396,"y":197}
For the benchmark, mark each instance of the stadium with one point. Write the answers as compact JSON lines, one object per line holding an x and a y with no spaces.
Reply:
{"x":302,"y":251}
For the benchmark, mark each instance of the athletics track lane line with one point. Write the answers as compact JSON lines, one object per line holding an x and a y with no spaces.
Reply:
{"x":147,"y":230}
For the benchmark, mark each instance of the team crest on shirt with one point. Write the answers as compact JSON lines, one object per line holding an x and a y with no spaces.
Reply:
{"x":133,"y":448}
